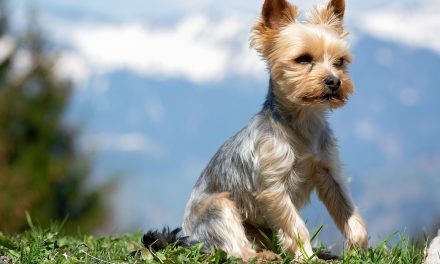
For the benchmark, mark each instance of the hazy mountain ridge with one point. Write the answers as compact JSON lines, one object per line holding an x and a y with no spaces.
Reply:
{"x":386,"y":129}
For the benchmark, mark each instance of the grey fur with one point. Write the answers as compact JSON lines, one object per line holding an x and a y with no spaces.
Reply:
{"x":261,"y":177}
{"x":235,"y":167}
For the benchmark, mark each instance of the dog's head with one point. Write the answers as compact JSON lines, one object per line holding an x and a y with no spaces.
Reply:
{"x":307,"y":61}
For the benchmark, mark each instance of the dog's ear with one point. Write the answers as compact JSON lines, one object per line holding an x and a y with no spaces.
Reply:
{"x":275,"y":13}
{"x":338,"y":7}
{"x":330,"y":15}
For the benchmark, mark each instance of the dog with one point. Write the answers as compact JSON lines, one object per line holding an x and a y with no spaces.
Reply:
{"x":261,"y":177}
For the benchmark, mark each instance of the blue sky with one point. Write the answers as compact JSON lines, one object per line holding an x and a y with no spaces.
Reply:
{"x":94,"y":29}
{"x":161,"y":84}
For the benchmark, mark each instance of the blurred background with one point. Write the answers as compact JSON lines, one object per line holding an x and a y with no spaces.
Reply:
{"x":109,"y":110}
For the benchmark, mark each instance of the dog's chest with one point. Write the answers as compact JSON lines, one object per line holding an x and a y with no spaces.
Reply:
{"x":306,"y":165}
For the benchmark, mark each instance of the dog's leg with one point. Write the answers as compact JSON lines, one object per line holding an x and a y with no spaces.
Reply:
{"x":332,"y":191}
{"x":276,"y":161}
{"x":284,"y":217}
{"x":217,"y":223}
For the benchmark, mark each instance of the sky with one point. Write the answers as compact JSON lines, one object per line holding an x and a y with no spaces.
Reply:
{"x":161,"y":84}
{"x":145,"y":33}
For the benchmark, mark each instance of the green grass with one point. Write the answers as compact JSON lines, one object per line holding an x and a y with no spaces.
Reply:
{"x":39,"y":245}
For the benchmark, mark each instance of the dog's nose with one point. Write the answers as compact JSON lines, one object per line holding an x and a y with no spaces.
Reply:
{"x":332,"y":83}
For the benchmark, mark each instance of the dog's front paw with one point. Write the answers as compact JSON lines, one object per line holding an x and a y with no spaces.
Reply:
{"x":265,"y":256}
{"x":303,"y":255}
{"x":356,"y":233}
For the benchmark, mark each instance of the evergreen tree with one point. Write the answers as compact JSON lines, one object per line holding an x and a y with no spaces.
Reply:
{"x":41,"y":169}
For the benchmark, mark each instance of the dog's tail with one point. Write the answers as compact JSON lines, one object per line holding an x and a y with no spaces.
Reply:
{"x":157,"y":240}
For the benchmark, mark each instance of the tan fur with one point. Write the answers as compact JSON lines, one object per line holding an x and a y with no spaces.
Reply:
{"x":269,"y":23}
{"x":333,"y":193}
{"x":281,"y":47}
{"x":263,"y":176}
{"x":338,"y":7}
{"x":325,"y":16}
{"x":276,"y":13}
{"x":321,"y":37}
{"x":275,"y":164}
{"x":213,"y":200}
{"x":232,"y":227}
{"x":265,"y":256}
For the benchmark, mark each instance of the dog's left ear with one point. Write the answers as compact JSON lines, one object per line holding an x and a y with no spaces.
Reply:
{"x":338,"y":7}
{"x":330,"y":15}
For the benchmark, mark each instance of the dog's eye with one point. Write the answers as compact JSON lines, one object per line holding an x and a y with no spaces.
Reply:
{"x":304,"y":59}
{"x":339,"y":63}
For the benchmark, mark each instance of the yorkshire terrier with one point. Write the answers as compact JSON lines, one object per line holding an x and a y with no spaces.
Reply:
{"x":261,"y":177}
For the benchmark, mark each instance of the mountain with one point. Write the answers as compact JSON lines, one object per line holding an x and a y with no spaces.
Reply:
{"x":158,"y":134}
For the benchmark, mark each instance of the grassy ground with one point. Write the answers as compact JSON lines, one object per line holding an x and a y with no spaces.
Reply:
{"x":50,"y":246}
